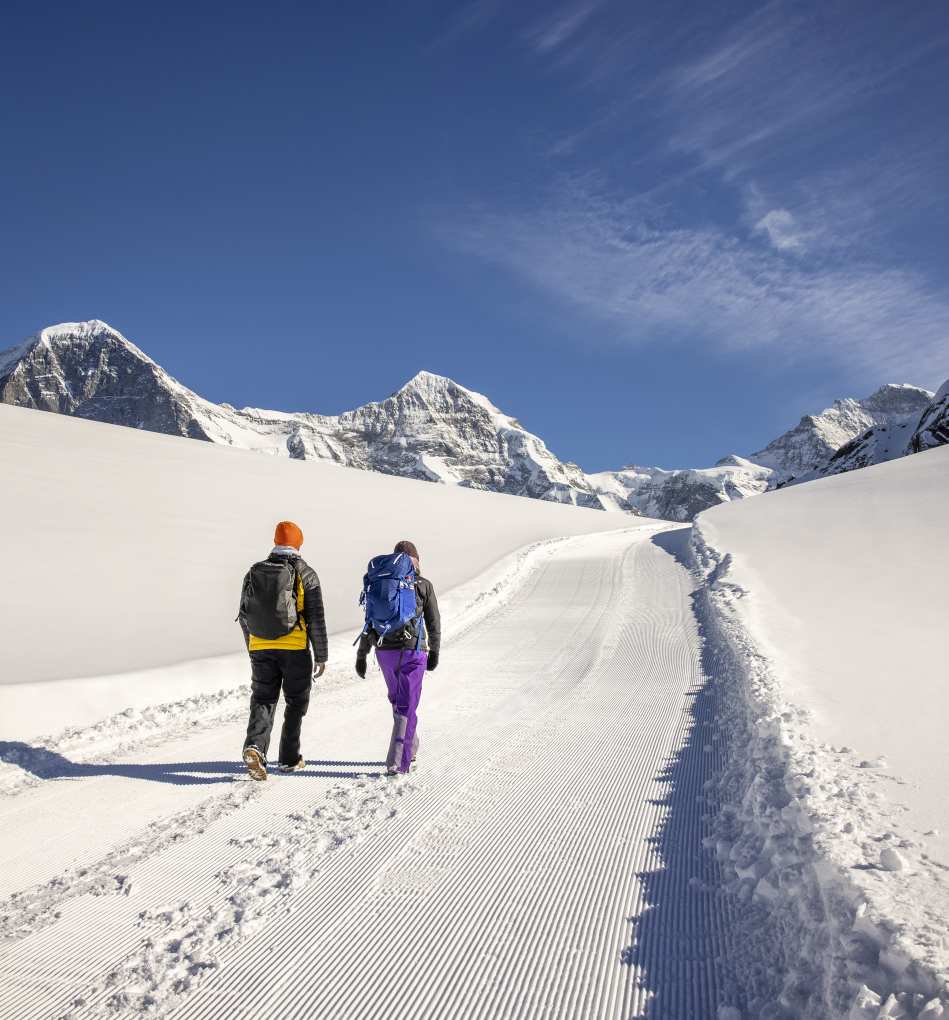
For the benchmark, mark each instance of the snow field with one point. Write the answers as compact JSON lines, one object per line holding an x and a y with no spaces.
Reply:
{"x":656,"y":780}
{"x":546,"y":859}
{"x":836,"y":858}
{"x":151,"y":535}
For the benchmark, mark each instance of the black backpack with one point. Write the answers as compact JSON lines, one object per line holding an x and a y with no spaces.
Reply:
{"x":269,"y":599}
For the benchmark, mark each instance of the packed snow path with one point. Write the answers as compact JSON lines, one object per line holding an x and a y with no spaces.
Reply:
{"x":544,"y":861}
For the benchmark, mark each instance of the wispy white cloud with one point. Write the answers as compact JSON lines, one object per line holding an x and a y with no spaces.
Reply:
{"x":557,"y":29}
{"x":770,"y":84}
{"x":782,"y":230}
{"x":743,"y":46}
{"x":775,"y":113}
{"x":656,"y":284}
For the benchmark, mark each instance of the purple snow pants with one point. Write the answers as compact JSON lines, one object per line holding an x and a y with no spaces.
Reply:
{"x":403,"y":671}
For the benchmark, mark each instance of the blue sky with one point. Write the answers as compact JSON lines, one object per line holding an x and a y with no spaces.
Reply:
{"x":656,"y":233}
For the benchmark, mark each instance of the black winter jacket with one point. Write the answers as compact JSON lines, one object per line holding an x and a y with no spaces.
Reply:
{"x":313,"y":612}
{"x":408,"y":636}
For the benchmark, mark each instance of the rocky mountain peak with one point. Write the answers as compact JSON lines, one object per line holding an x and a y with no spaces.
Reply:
{"x":428,"y":381}
{"x":432,"y":428}
{"x":932,"y":429}
{"x":65,"y":335}
{"x":897,"y":399}
{"x":439,"y":390}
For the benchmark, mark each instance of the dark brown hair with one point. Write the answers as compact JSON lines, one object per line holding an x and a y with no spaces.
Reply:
{"x":407,"y":547}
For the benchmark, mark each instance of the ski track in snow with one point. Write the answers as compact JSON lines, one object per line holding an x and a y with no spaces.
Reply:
{"x":546,"y":859}
{"x":35,"y":908}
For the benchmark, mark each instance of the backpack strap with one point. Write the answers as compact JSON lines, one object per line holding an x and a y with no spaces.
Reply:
{"x":299,"y":590}
{"x":420,"y":618}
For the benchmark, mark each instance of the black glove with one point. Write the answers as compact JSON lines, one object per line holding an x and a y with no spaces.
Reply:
{"x":432,"y":661}
{"x":319,"y":669}
{"x":361,"y":667}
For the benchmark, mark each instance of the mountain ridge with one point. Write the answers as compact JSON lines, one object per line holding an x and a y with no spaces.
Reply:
{"x":433,"y":428}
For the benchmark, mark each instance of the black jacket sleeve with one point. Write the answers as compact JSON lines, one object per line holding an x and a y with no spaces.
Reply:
{"x":433,"y":619}
{"x":240,"y":612}
{"x":313,"y":612}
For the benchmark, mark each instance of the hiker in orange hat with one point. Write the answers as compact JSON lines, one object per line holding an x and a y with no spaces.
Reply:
{"x":281,"y":615}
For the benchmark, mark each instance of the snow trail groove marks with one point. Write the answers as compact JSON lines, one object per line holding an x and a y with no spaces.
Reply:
{"x":183,"y":940}
{"x":542,"y":636}
{"x":556,"y":927}
{"x":165,"y":885}
{"x":30,"y":910}
{"x":507,"y":879}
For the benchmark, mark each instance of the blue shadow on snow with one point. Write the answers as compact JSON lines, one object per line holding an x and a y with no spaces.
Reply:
{"x":680,"y":939}
{"x":50,"y":765}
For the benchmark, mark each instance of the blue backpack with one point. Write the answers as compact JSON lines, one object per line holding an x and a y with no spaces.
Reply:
{"x":388,"y":595}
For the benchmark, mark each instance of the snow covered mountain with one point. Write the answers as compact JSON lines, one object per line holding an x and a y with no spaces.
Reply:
{"x":813,"y":442}
{"x":850,"y":434}
{"x":430,"y":429}
{"x":436,"y":430}
{"x":680,"y":495}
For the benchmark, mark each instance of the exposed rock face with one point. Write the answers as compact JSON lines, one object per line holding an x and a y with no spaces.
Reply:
{"x":430,"y":429}
{"x":90,"y":370}
{"x":877,"y":445}
{"x":932,"y":429}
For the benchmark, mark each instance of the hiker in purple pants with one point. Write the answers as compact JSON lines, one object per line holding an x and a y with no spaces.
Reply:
{"x":403,"y":672}
{"x":404,"y":655}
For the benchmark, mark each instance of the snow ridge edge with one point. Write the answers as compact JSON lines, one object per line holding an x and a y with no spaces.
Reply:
{"x":813,"y":942}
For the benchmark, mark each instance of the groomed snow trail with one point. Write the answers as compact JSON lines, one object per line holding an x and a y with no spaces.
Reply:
{"x":544,"y":861}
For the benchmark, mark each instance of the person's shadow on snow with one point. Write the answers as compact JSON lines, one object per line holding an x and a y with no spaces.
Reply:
{"x":50,"y":765}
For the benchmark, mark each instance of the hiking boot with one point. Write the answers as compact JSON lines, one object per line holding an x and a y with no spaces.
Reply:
{"x":391,"y":771}
{"x":297,"y":766}
{"x":256,"y":763}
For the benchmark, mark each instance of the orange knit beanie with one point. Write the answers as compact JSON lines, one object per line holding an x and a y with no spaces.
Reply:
{"x":287,"y":533}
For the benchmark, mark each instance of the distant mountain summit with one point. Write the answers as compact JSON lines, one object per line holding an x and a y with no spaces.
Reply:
{"x":810,"y":445}
{"x":90,"y":370}
{"x":434,"y":429}
{"x":430,"y":429}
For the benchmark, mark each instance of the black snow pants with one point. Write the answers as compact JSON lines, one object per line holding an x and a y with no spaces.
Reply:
{"x":269,"y":670}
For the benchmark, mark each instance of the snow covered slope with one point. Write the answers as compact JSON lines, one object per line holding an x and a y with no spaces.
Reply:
{"x":545,"y":859}
{"x":431,"y":429}
{"x":836,"y":593}
{"x":154,"y":534}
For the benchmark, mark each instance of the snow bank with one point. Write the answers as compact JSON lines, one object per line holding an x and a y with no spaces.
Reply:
{"x":126,"y":549}
{"x":824,"y":614}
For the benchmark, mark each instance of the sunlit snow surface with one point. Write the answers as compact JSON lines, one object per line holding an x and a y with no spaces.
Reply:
{"x":130,"y":546}
{"x":829,"y":602}
{"x":644,"y":792}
